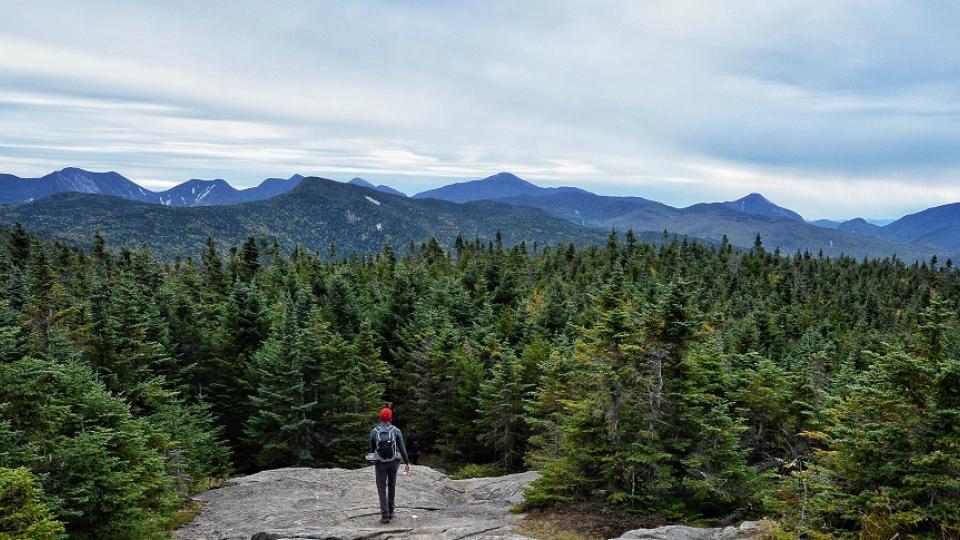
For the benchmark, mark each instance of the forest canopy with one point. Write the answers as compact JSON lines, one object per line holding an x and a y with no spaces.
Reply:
{"x":685,"y":382}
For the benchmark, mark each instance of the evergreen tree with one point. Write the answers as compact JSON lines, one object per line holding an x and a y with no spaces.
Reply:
{"x":357,"y":386}
{"x":224,"y":381}
{"x":13,"y":343}
{"x":892,"y":463}
{"x":684,"y":381}
{"x":93,"y":455}
{"x":24,"y":514}
{"x":43,"y":294}
{"x":501,"y":417}
{"x":282,"y":425}
{"x":249,"y":262}
{"x":714,"y":477}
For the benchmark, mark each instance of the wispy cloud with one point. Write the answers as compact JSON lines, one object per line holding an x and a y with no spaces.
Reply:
{"x":828,"y":107}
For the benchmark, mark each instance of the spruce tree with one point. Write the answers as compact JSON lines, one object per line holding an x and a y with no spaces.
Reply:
{"x":24,"y":512}
{"x":223,"y":379}
{"x":282,"y":424}
{"x":501,"y":414}
{"x":357,"y":387}
{"x":93,"y":455}
{"x":891,"y":463}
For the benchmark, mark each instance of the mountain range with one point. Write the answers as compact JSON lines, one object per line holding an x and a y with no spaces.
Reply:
{"x":194,"y":192}
{"x":198,"y":192}
{"x":915,"y":237}
{"x":938,"y":226}
{"x":314,"y":214}
{"x":740,"y":220}
{"x":14,"y":189}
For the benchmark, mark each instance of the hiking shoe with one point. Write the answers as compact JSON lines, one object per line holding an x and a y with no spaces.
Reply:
{"x":384,"y":519}
{"x":390,"y":515}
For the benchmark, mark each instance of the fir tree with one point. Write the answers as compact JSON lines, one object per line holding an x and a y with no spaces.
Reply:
{"x":24,"y":514}
{"x":501,"y":413}
{"x":282,"y":426}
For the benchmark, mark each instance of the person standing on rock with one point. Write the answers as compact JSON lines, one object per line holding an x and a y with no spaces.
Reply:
{"x":414,"y":447}
{"x":386,"y":441}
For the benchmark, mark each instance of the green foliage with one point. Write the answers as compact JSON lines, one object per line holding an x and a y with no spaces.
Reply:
{"x":24,"y":514}
{"x":676,"y":380}
{"x":476,"y":470}
{"x":501,"y":416}
{"x":314,"y":394}
{"x":97,"y":460}
{"x":891,"y":458}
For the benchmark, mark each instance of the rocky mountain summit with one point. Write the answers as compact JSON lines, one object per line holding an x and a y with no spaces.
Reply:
{"x":340,"y":504}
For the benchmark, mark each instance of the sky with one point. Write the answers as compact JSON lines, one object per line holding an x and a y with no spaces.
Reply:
{"x":835,"y":109}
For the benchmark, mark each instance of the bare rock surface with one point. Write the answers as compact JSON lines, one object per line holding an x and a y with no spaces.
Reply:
{"x":746,"y":531}
{"x":303,"y":503}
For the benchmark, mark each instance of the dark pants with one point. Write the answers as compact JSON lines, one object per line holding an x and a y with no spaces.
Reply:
{"x":387,"y":485}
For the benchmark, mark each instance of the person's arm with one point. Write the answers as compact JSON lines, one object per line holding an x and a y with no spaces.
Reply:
{"x":403,"y":449}
{"x":373,"y":440}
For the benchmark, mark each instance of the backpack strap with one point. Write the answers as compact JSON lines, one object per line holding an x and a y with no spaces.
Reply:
{"x":389,"y":431}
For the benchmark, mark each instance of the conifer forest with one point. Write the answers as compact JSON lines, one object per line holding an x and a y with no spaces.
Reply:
{"x":688,"y":382}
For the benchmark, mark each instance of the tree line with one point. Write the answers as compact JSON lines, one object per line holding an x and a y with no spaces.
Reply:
{"x":681,"y":381}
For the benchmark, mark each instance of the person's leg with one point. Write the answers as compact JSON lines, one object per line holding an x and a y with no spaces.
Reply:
{"x":382,"y":471}
{"x":392,"y":469}
{"x":415,"y":459}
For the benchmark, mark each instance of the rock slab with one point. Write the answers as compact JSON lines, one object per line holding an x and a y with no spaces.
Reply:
{"x":340,"y":504}
{"x":746,"y":531}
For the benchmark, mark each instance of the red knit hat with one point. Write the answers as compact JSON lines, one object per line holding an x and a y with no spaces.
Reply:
{"x":386,"y":415}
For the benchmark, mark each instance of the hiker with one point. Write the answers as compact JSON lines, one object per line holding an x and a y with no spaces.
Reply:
{"x":386,"y":442}
{"x":414,"y":447}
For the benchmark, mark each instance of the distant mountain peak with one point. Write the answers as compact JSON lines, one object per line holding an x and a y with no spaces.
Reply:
{"x":293,"y":179}
{"x":757,"y":204}
{"x":860,"y":226}
{"x":206,"y":181}
{"x":357,"y":181}
{"x":507,"y":177}
{"x":755,"y":197}
{"x":497,"y":186}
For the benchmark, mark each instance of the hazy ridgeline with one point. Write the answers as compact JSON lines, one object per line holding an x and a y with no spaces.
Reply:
{"x":686,"y":382}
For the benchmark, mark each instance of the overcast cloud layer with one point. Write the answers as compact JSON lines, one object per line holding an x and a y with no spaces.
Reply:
{"x":835,"y":109}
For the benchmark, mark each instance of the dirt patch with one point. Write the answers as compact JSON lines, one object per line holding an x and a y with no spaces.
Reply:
{"x":186,"y":513}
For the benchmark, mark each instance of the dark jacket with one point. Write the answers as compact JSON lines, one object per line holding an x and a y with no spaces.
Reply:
{"x":397,"y":436}
{"x":415,"y":444}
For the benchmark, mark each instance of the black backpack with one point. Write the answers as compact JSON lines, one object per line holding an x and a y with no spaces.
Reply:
{"x":386,"y":443}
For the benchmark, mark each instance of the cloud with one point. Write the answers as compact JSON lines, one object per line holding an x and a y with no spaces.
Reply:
{"x":833,"y":108}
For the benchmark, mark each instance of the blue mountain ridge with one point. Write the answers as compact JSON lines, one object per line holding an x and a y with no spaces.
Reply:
{"x":935,"y":227}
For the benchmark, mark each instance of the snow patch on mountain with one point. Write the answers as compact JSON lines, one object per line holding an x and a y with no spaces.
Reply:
{"x":204,"y":194}
{"x":80,"y":182}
